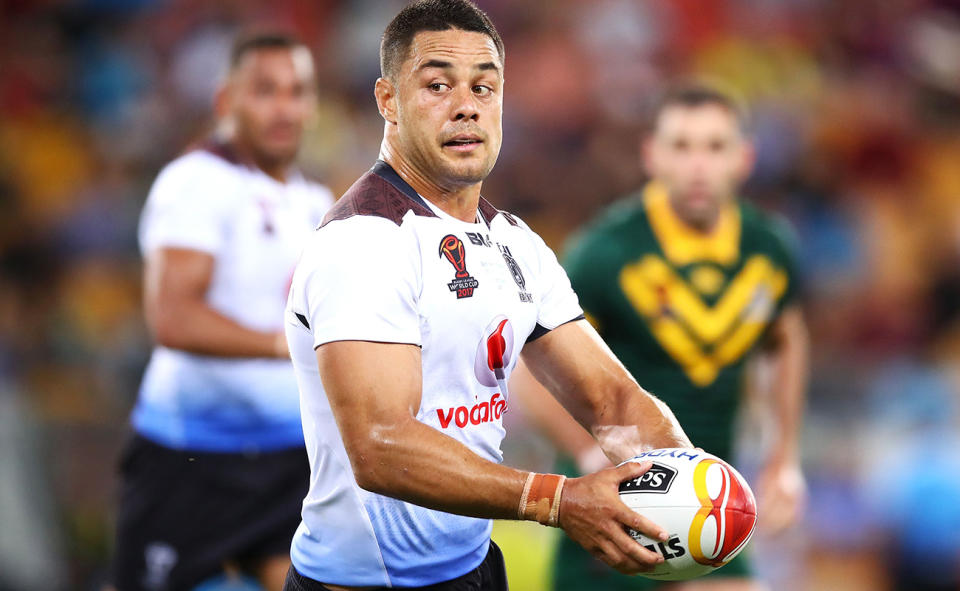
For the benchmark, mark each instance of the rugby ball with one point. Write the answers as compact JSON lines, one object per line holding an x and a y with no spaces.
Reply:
{"x":704,"y":504}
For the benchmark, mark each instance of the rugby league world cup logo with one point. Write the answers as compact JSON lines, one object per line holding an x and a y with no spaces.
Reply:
{"x":727,"y":515}
{"x":463,"y":284}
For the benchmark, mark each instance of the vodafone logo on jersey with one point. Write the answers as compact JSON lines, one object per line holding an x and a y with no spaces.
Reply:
{"x":495,"y":355}
{"x":483,"y":412}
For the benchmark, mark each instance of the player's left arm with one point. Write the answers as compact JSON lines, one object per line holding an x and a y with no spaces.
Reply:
{"x":581,"y":372}
{"x":781,"y":488}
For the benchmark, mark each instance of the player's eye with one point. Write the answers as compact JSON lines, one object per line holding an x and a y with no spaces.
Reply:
{"x":717,"y":146}
{"x":482,"y":90}
{"x":437,"y":86}
{"x":681,"y":145}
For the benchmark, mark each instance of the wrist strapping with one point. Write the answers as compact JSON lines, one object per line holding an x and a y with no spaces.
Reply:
{"x":541,"y":498}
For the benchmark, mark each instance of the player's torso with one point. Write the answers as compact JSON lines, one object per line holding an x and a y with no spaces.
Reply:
{"x":685,"y":315}
{"x":220,"y":403}
{"x":470,"y":295}
{"x":477,"y":307}
{"x":263,"y":239}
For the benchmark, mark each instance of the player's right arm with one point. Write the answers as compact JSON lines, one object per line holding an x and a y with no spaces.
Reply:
{"x":175,"y":288}
{"x":374,"y":392}
{"x":182,"y":230}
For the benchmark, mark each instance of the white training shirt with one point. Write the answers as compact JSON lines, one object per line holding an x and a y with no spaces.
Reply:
{"x":255,"y":228}
{"x":470,"y":295}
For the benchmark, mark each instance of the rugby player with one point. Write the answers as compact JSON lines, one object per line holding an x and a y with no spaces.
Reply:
{"x":684,"y":282}
{"x":404,"y":341}
{"x":216,"y":469}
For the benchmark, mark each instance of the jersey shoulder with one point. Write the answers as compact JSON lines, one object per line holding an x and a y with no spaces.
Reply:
{"x":769,"y":230}
{"x":377,"y":194}
{"x":620,"y":216}
{"x":616,"y":225}
{"x":197,"y":171}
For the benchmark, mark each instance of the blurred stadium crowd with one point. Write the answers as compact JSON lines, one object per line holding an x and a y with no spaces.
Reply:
{"x":856,"y":115}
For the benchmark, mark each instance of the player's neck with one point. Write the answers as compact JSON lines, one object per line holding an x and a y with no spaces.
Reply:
{"x":705,"y":226}
{"x":460,"y":202}
{"x":278,"y":170}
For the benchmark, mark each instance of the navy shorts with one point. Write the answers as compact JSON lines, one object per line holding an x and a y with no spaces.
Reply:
{"x":490,"y":575}
{"x":183,"y":514}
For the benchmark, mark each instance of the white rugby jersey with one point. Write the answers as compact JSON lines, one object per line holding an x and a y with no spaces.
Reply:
{"x":470,"y":295}
{"x":255,"y":227}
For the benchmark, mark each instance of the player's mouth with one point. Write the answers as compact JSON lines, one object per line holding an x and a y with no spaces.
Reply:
{"x":463,"y":142}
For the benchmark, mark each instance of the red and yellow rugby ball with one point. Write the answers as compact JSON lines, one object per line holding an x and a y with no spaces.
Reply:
{"x":705,"y":505}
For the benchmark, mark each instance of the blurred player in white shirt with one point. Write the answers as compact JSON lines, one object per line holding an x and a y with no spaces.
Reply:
{"x":216,"y":469}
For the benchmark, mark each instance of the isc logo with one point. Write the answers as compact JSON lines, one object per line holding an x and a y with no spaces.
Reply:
{"x":655,"y":480}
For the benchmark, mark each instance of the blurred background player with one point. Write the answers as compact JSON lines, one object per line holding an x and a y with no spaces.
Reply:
{"x":216,"y":469}
{"x":684,"y":282}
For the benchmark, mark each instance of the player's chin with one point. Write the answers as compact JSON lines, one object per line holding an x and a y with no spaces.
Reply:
{"x":468,"y":170}
{"x":280,"y":152}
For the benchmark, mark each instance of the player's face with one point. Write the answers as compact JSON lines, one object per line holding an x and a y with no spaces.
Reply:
{"x":701,"y":156}
{"x":449,"y":104}
{"x":271,"y":96}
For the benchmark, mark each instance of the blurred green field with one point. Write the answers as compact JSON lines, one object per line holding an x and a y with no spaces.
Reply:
{"x":528,"y":550}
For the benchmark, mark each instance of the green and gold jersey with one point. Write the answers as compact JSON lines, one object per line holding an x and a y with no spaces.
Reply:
{"x":682,"y":310}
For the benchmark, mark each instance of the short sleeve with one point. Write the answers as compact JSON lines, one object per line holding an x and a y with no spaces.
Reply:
{"x":360,"y":281}
{"x":558,"y":303}
{"x":787,"y":250}
{"x":188,"y":206}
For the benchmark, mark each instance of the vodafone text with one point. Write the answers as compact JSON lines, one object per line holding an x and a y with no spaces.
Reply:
{"x":483,"y":412}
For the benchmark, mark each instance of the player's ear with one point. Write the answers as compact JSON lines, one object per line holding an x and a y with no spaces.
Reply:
{"x":386,"y":94}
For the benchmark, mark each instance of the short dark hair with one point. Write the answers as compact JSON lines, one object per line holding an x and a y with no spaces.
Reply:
{"x":431,"y":15}
{"x":699,"y":94}
{"x":255,"y":41}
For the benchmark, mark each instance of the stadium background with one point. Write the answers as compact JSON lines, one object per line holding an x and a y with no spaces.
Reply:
{"x":857,"y":120}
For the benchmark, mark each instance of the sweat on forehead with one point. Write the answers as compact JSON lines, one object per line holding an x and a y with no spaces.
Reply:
{"x":431,"y":15}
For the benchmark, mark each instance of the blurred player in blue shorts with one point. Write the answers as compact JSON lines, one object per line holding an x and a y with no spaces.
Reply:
{"x":216,"y":468}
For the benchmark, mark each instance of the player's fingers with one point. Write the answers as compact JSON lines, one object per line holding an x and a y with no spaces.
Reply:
{"x":775,"y":523}
{"x":786,"y":514}
{"x":630,"y":470}
{"x":637,"y":522}
{"x":613,"y":557}
{"x":642,"y":558}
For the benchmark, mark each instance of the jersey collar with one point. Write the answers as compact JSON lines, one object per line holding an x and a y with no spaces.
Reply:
{"x":485,"y":210}
{"x":387,"y":173}
{"x":683,"y":245}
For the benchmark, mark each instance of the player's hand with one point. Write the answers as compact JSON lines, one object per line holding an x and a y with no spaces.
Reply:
{"x":781,"y":496}
{"x":593,"y":515}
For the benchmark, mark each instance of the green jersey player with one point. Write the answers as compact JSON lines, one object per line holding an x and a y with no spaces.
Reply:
{"x":684,"y":281}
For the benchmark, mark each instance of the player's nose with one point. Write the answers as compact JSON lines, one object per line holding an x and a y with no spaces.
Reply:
{"x":465,"y":104}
